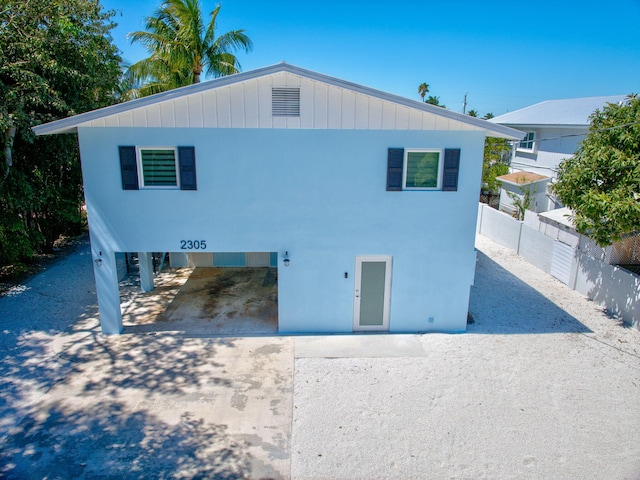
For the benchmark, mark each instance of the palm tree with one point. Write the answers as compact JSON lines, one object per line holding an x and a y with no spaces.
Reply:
{"x":181,"y":47}
{"x":423,"y":89}
{"x":488,"y":116}
{"x":434,"y":101}
{"x":472,"y":113}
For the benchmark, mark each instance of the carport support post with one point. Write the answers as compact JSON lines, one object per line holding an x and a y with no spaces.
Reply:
{"x":106,"y":275}
{"x":178,"y":259}
{"x":145,"y":262}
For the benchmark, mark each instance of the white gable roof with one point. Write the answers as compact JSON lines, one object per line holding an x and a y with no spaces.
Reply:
{"x":568,"y":112}
{"x":243,"y":100}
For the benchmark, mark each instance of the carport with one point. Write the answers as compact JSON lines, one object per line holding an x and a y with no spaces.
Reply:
{"x":203,"y":300}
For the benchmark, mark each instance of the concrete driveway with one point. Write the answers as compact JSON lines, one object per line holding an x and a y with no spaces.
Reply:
{"x":542,"y":386}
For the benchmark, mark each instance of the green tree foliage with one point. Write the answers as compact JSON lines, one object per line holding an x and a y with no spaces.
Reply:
{"x":495,"y":162}
{"x":522,"y":203}
{"x":423,"y":89}
{"x":181,"y":47}
{"x":434,"y":101}
{"x":56,"y":59}
{"x":472,"y":113}
{"x":601,"y":183}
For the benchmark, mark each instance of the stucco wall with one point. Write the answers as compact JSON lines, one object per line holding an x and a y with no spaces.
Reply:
{"x":320,"y":195}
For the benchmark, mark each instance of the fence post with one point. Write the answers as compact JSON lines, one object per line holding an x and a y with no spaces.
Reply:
{"x":519,"y":236}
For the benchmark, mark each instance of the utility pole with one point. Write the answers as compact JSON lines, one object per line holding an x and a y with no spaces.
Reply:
{"x":464,"y":104}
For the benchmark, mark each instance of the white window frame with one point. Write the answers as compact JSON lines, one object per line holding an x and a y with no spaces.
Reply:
{"x":141,"y":171}
{"x":533,"y":141}
{"x":407,"y":151}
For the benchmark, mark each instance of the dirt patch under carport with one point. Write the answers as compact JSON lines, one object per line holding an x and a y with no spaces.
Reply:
{"x":207,"y":301}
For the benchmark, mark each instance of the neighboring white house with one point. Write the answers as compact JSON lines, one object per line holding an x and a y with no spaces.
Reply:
{"x":514,"y":185}
{"x":553,"y":129}
{"x":364,"y":200}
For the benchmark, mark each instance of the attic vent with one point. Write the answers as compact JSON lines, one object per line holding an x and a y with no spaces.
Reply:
{"x":285,"y":102}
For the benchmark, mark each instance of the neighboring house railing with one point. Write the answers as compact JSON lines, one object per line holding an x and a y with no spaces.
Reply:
{"x":571,"y":258}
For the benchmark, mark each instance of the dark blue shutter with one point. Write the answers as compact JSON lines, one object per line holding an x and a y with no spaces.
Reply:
{"x":450,"y":171}
{"x":395,"y":162}
{"x":187,"y":159}
{"x":128,"y":168}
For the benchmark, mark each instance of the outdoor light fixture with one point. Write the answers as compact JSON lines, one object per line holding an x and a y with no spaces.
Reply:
{"x":99,"y":260}
{"x":286,"y":259}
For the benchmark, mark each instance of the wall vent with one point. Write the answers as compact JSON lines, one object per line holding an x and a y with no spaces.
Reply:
{"x":285,"y":101}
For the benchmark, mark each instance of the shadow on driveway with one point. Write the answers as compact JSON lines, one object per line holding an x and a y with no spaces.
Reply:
{"x":500,"y":304}
{"x":103,"y":439}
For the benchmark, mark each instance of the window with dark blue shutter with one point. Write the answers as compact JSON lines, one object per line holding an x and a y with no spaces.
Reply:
{"x":128,"y":168}
{"x":187,"y":159}
{"x":450,"y":170}
{"x":395,"y":162}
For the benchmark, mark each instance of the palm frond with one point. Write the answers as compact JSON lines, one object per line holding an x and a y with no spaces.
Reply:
{"x":181,"y":48}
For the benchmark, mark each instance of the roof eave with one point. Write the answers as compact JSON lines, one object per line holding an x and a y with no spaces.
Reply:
{"x":529,"y":182}
{"x":520,"y":126}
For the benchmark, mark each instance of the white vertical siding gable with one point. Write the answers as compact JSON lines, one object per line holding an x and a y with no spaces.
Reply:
{"x":375,"y":113}
{"x":112,"y":121}
{"x":320,"y":105}
{"x":181,"y":112}
{"x":362,"y":121}
{"x":223,"y":107}
{"x":194,"y":104}
{"x":348,"y":110}
{"x":247,"y":104}
{"x":265,"y":120}
{"x":251,"y":104}
{"x":153,"y":116}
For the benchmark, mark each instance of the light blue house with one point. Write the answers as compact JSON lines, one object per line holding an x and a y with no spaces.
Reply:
{"x":364,"y":200}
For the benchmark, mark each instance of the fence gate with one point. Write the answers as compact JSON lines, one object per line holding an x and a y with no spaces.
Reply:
{"x":561,"y":262}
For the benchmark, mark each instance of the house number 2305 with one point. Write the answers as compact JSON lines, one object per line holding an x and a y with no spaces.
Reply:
{"x":193,"y":244}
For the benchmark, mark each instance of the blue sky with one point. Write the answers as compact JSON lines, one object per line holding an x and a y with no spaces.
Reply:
{"x":503,"y":55}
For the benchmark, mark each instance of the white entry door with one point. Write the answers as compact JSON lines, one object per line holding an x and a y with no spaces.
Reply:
{"x":372,"y":293}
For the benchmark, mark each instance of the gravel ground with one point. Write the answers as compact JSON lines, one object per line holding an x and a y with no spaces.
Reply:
{"x":543,"y":385}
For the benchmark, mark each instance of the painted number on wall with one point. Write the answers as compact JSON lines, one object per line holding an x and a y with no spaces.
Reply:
{"x":193,"y":244}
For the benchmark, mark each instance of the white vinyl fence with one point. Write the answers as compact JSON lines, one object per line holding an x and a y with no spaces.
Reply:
{"x":570,"y":257}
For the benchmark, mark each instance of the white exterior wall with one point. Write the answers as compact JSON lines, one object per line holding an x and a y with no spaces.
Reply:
{"x":552,"y":146}
{"x":318,"y":194}
{"x":539,"y":201}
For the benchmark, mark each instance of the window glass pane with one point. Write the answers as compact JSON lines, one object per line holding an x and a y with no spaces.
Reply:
{"x":422,"y":169}
{"x":159,"y":168}
{"x":527,"y":141}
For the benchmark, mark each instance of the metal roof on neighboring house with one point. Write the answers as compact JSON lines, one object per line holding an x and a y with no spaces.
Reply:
{"x":464,"y":122}
{"x":567,"y":112}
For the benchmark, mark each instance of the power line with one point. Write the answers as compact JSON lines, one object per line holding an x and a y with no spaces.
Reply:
{"x":581,"y":134}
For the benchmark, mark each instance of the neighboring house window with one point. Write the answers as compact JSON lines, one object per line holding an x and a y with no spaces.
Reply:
{"x":528,"y":142}
{"x":423,"y":169}
{"x":285,"y":101}
{"x":158,"y":167}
